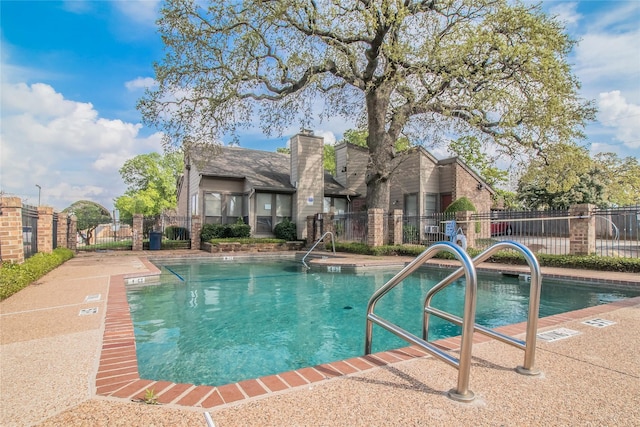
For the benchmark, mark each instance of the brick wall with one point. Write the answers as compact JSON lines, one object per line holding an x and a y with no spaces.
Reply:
{"x":11,"y":245}
{"x":582,"y":231}
{"x":45,"y":229}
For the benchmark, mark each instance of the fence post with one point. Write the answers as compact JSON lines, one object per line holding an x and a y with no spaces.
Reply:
{"x":310,"y":235}
{"x":11,"y":244}
{"x":582,"y":231}
{"x":196,"y":231}
{"x":45,"y":229}
{"x":72,"y":232}
{"x":375,"y":233}
{"x":395,"y":227}
{"x":137,"y":232}
{"x":61,"y":235}
{"x":465,"y":221}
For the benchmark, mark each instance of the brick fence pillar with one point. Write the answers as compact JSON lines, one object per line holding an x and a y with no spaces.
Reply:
{"x":137,"y":232}
{"x":395,"y":227}
{"x":61,"y":236}
{"x":310,"y":235}
{"x":72,"y":232}
{"x":45,"y":229}
{"x":582,"y":231}
{"x":465,"y":221}
{"x":375,"y":232}
{"x":196,"y":231}
{"x":11,"y":244}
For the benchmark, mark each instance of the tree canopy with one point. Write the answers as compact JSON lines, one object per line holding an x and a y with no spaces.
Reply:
{"x":89,"y":216}
{"x":151,"y":184}
{"x":496,"y":69}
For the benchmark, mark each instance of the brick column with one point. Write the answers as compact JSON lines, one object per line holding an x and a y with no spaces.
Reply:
{"x":137,"y":232}
{"x":375,"y":232}
{"x":45,"y":229}
{"x":395,"y":227}
{"x":196,"y":229}
{"x":72,"y":233}
{"x":310,"y":236}
{"x":464,"y":221}
{"x":61,"y":237}
{"x":582,"y":231}
{"x":11,"y":244}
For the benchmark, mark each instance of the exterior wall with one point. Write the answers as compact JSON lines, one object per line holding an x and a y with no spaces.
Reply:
{"x":447,"y":181}
{"x":307,"y":168}
{"x":405,"y":180}
{"x":351,"y":167}
{"x":183,"y":196}
{"x":467,"y":186}
{"x":11,"y":244}
{"x":61,"y":238}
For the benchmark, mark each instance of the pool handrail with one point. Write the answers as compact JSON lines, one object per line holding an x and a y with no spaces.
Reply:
{"x":529,"y":345}
{"x":333,"y":244}
{"x":462,"y":392}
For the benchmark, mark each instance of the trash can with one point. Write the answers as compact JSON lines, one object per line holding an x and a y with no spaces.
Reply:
{"x":155,"y":239}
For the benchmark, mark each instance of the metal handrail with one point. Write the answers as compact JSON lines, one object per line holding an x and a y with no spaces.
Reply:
{"x":333,"y":244}
{"x":462,"y":392}
{"x":529,"y":345}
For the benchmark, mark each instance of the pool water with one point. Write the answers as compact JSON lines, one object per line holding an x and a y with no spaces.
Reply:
{"x":216,"y":323}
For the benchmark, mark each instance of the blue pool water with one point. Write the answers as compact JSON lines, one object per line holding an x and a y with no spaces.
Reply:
{"x":220,"y":322}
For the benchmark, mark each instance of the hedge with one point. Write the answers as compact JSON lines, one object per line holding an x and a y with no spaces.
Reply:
{"x":15,"y":277}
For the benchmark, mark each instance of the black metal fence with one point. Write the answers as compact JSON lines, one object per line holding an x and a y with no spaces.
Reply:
{"x":98,"y":235}
{"x":351,"y":227}
{"x":166,"y":232}
{"x":29,"y":230}
{"x":618,"y":232}
{"x":54,"y":231}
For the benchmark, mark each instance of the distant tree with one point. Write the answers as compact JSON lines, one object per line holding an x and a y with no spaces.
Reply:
{"x":494,"y":68}
{"x":622,"y":178}
{"x":328,"y":157}
{"x":151,"y":184}
{"x":469,"y":150}
{"x":565,"y":177}
{"x":89,"y":215}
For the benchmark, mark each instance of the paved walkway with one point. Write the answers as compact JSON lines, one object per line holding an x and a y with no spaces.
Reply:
{"x":52,"y":368}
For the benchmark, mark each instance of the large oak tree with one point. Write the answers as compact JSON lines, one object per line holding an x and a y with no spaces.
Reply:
{"x":491,"y":68}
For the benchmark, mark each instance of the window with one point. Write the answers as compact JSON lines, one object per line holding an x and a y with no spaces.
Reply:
{"x":271,"y":209}
{"x":430,"y":203}
{"x":411,"y":205}
{"x":234,"y":208}
{"x":212,"y":208}
{"x":339,"y":205}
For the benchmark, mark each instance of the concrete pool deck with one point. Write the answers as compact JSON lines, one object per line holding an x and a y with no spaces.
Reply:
{"x":58,"y":367}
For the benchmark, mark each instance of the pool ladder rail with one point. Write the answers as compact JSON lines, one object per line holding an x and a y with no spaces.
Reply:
{"x":321,"y":239}
{"x":467,"y":321}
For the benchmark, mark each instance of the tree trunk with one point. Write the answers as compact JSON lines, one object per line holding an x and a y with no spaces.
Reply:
{"x":380,"y":149}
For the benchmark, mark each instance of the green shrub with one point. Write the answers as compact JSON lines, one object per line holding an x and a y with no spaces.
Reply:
{"x":246,"y":240}
{"x":15,"y":277}
{"x":224,"y":231}
{"x":589,"y":262}
{"x":286,"y":230}
{"x":463,"y":204}
{"x":176,"y":233}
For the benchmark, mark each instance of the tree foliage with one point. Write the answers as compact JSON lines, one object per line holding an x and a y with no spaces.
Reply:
{"x":151,"y":184}
{"x":622,"y":177}
{"x":328,"y":157}
{"x":469,"y":150}
{"x":89,"y":216}
{"x":567,"y":176}
{"x":492,"y":68}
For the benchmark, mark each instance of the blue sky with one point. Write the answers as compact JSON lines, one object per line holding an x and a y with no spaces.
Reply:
{"x":72,"y":71}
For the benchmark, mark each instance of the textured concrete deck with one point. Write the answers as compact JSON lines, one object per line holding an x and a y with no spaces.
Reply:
{"x":51,"y":367}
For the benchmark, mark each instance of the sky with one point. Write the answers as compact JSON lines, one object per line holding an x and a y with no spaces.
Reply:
{"x":71,"y":73}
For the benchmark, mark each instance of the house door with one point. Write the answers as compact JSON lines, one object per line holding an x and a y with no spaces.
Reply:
{"x":445,"y":201}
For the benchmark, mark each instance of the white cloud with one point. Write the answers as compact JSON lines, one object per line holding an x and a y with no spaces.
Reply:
{"x":567,"y":13}
{"x":616,"y":112}
{"x":140,"y":83}
{"x":64,"y":146}
{"x":141,"y":11}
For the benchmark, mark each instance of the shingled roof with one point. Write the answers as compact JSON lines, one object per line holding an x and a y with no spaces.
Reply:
{"x":263,"y":170}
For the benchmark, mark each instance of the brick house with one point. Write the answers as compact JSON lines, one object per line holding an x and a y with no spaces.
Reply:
{"x":262,"y":188}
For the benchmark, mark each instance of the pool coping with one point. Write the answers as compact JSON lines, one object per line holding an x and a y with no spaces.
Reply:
{"x":118,"y":376}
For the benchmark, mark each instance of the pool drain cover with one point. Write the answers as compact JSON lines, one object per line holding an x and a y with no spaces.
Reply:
{"x":557,"y":334}
{"x":88,"y":311}
{"x":599,"y":323}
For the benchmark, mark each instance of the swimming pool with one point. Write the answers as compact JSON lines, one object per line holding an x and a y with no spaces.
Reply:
{"x":219,"y":322}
